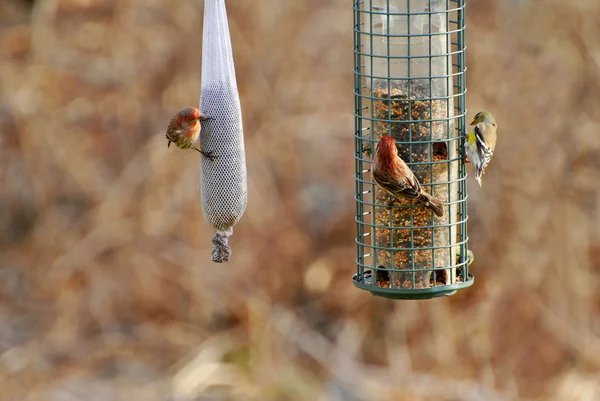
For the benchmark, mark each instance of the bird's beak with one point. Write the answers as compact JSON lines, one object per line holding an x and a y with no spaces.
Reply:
{"x":202,"y":118}
{"x":473,"y":122}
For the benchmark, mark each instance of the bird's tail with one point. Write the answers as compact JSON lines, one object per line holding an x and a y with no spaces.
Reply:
{"x":478,"y":174}
{"x":435,"y":205}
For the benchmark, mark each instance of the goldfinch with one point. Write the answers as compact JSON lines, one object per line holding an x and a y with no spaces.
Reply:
{"x":481,"y":142}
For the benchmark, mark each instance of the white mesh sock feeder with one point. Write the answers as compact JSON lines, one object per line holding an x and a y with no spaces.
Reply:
{"x":224,"y":179}
{"x":409,"y":70}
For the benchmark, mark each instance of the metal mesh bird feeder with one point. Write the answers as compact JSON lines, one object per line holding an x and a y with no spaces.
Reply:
{"x":409,"y":70}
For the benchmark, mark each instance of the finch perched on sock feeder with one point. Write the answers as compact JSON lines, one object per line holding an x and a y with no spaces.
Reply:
{"x":184,"y":130}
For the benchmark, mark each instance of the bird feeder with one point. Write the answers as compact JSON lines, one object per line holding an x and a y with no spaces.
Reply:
{"x":409,"y":83}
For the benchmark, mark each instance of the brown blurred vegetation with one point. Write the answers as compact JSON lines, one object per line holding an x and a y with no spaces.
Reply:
{"x":107,"y":291}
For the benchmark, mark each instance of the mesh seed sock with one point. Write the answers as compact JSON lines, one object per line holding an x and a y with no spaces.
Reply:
{"x":224,"y":179}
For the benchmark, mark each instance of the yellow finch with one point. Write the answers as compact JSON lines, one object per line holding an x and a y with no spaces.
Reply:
{"x":481,"y":142}
{"x":397,"y":179}
{"x":184,"y":130}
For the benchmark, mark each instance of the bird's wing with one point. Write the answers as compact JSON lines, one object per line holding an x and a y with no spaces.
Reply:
{"x":489,"y":135}
{"x":173,"y":129}
{"x":485,"y":135}
{"x":402,"y":183}
{"x":413,"y":186}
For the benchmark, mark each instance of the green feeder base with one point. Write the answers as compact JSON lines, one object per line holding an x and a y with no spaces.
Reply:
{"x":417,"y":293}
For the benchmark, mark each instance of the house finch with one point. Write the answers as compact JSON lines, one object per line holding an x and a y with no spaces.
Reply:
{"x":481,"y":142}
{"x":184,"y":130}
{"x":397,"y":179}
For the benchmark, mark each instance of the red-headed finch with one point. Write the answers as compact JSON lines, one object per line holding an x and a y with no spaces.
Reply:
{"x":184,"y":130}
{"x":397,"y":179}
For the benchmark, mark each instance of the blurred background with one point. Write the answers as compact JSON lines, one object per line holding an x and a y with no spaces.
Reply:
{"x":107,"y":291}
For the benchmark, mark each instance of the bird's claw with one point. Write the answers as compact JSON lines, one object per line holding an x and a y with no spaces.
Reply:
{"x":209,"y":155}
{"x":390,"y":203}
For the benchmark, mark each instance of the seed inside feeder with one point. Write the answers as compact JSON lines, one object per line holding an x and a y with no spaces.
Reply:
{"x":402,"y":115}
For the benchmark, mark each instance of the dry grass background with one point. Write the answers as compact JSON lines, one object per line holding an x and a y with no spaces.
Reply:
{"x":107,"y":291}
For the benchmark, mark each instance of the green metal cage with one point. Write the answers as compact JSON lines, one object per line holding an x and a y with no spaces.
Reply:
{"x":409,"y":83}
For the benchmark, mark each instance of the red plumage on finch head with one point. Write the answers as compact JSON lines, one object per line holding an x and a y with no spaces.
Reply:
{"x":184,"y":130}
{"x":397,"y":179}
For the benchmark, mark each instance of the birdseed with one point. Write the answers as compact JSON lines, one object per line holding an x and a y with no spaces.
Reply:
{"x":406,"y":118}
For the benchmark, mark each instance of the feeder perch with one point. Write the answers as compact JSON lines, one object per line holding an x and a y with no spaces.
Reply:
{"x":409,"y":83}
